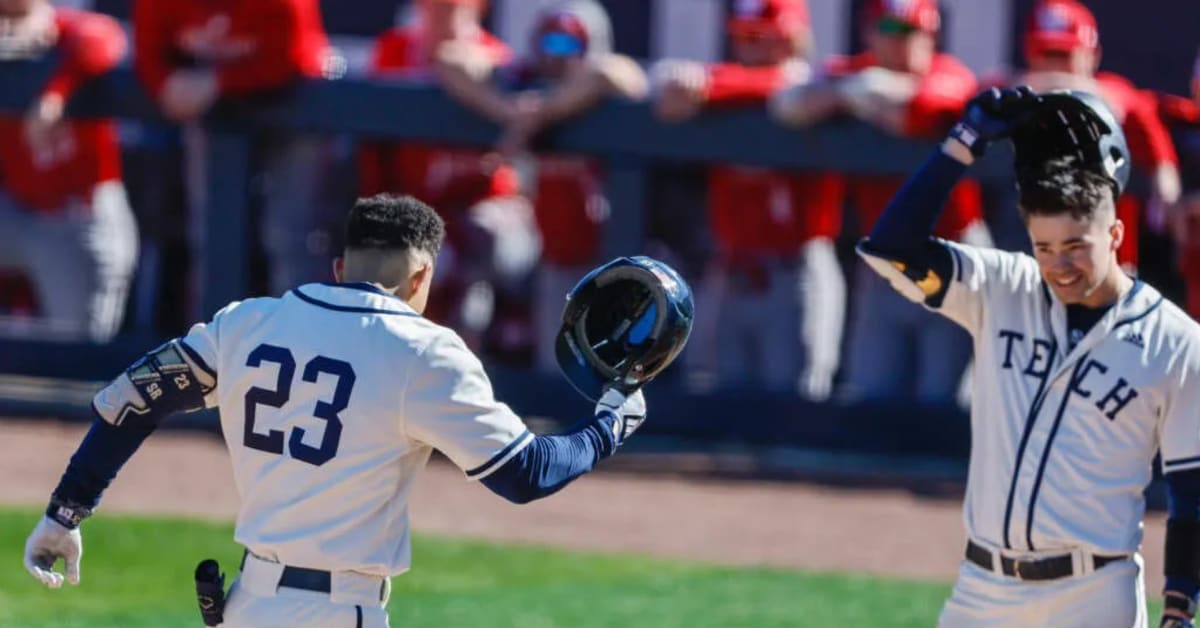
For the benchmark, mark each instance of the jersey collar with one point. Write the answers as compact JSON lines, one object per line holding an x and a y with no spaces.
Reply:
{"x":358,"y":297}
{"x":1136,"y":304}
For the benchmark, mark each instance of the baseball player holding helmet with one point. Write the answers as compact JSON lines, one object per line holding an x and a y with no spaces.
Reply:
{"x":1082,"y":374}
{"x":332,"y":398}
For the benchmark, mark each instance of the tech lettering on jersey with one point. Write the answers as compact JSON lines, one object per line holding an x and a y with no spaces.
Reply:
{"x":1040,"y":354}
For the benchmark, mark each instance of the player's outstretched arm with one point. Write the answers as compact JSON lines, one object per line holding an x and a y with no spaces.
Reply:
{"x":172,"y":378}
{"x":551,"y":462}
{"x":1182,"y":552}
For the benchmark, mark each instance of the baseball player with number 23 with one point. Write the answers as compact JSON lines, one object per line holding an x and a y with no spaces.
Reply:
{"x":332,"y":398}
{"x":1082,"y":374}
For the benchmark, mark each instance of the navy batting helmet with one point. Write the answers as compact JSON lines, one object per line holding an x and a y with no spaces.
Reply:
{"x":1074,"y":124}
{"x":623,"y":324}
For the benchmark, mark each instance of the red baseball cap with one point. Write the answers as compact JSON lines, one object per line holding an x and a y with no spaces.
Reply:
{"x":785,"y":18}
{"x":922,"y":15}
{"x":1060,"y":25}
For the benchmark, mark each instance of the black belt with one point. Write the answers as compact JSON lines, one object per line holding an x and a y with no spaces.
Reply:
{"x":302,"y":578}
{"x":1051,"y":568}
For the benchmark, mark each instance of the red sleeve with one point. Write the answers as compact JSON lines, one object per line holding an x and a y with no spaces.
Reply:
{"x":92,"y":44}
{"x":1150,"y":143}
{"x":291,"y":46}
{"x":152,"y":34}
{"x":940,"y":99}
{"x":1177,"y":110}
{"x":388,"y":52}
{"x":733,"y":84}
{"x":820,"y":197}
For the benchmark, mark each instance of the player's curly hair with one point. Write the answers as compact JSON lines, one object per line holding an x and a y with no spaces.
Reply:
{"x":1060,"y":186}
{"x":395,"y":223}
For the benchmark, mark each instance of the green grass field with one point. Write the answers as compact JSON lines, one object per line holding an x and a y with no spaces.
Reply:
{"x":138,"y":572}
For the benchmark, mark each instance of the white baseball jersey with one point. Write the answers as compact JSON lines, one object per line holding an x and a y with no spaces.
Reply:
{"x":331,"y":400}
{"x":1063,"y":438}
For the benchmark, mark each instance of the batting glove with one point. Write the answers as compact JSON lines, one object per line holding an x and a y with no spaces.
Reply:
{"x":993,"y":115}
{"x":628,"y":412}
{"x":48,"y":542}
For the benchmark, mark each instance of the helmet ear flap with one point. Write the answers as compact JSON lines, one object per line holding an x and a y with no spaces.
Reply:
{"x":622,"y":325}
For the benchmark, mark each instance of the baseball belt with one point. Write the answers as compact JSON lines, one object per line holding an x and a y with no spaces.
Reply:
{"x":1036,"y":569}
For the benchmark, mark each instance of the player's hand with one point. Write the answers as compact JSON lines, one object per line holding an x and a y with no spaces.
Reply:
{"x":188,"y":94}
{"x":628,"y":410}
{"x":43,"y":123}
{"x":816,"y":382}
{"x":49,"y":542}
{"x":993,"y":115}
{"x":679,"y":89}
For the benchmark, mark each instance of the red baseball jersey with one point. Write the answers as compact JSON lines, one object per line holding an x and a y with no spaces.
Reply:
{"x":941,"y":95}
{"x":570,"y":208}
{"x":83,"y":152}
{"x":441,"y":176}
{"x":252,"y":45}
{"x":1150,"y":146}
{"x":756,"y":212}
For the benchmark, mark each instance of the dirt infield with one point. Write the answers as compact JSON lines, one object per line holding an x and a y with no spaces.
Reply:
{"x":882,"y":532}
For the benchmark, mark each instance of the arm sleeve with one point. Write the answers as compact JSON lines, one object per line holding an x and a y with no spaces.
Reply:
{"x":730,"y":84}
{"x":448,"y":404}
{"x":1183,"y":507}
{"x":1179,"y":432}
{"x":128,"y":410}
{"x":939,"y":102}
{"x":551,"y":462}
{"x":1150,"y":143}
{"x":947,"y":277}
{"x":152,"y":32}
{"x":285,"y":51}
{"x":93,"y":46}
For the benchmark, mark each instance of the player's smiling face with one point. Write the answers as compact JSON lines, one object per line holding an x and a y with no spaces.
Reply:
{"x":1077,"y":255}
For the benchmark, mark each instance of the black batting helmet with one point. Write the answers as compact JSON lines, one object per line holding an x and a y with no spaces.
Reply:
{"x":1073,"y":124}
{"x":623,"y":324}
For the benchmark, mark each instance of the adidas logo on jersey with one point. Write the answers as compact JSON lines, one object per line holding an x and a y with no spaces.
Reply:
{"x":1135,"y":339}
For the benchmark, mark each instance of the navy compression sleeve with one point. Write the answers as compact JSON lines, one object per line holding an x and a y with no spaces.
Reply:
{"x":908,"y":220}
{"x":1183,"y":505}
{"x":549,"y":463}
{"x":100,"y":456}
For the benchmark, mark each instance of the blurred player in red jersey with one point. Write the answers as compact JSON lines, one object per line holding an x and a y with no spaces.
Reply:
{"x":192,"y":53}
{"x":903,"y":86}
{"x":1062,"y":50}
{"x":473,"y":189}
{"x":65,"y":221}
{"x":776,"y":285}
{"x":1183,"y":115}
{"x":571,"y":68}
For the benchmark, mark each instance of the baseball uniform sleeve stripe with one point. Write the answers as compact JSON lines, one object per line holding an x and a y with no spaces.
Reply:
{"x":503,"y":456}
{"x":1180,"y":464}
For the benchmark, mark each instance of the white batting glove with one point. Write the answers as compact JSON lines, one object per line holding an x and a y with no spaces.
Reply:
{"x":629,"y":412}
{"x":49,"y":542}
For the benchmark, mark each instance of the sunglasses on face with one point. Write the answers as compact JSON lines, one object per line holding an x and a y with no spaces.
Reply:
{"x":893,"y":26}
{"x":560,"y":45}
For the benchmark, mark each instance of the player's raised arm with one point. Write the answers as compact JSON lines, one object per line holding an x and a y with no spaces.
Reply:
{"x":175,"y":377}
{"x":900,"y":247}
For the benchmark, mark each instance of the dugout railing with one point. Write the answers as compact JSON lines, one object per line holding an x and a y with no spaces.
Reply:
{"x":624,"y":136}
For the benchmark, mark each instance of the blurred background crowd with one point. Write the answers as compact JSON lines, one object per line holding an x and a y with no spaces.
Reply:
{"x":103,"y":227}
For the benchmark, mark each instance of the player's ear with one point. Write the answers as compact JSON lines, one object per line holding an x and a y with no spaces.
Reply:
{"x":1117,"y":233}
{"x":339,"y":268}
